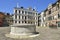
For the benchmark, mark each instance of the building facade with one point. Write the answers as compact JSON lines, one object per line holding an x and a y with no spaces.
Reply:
{"x":52,"y":15}
{"x":25,"y":16}
{"x":2,"y":17}
{"x":9,"y":18}
{"x":5,"y":20}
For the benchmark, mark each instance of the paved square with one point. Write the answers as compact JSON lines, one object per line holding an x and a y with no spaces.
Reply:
{"x":45,"y":34}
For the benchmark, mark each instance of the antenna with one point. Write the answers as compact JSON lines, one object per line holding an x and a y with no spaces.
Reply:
{"x":17,"y":4}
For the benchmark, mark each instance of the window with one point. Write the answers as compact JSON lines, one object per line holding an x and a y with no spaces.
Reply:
{"x":58,"y":15}
{"x":19,"y":11}
{"x":15,"y":21}
{"x":29,"y":12}
{"x":19,"y":21}
{"x":19,"y":16}
{"x":25,"y":17}
{"x":25,"y":12}
{"x":58,"y":23}
{"x":30,"y":17}
{"x":31,"y":22}
{"x":54,"y":8}
{"x":39,"y":20}
{"x":49,"y":11}
{"x":53,"y":17}
{"x":57,"y":6}
{"x":28,"y":22}
{"x":22,"y":21}
{"x":22,"y":17}
{"x":25,"y":22}
{"x":22,"y":12}
{"x":15,"y":11}
{"x":50,"y":18}
{"x":15,"y":16}
{"x":36,"y":13}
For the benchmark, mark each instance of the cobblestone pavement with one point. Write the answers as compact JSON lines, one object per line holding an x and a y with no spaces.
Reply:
{"x":45,"y":34}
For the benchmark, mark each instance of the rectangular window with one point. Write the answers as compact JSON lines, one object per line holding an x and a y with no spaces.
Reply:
{"x":15,"y":21}
{"x":25,"y":22}
{"x":19,"y":16}
{"x":28,"y":22}
{"x":15,"y":16}
{"x":19,"y":11}
{"x":50,"y":18}
{"x":58,"y":15}
{"x":39,"y":20}
{"x":58,"y":23}
{"x":19,"y":21}
{"x":36,"y":13}
{"x":53,"y":17}
{"x":22,"y":21}
{"x":22,"y":12}
{"x":29,"y":12}
{"x":30,"y":17}
{"x":25,"y":17}
{"x":49,"y":11}
{"x":15,"y":11}
{"x":31,"y":22}
{"x":22,"y":17}
{"x":25,"y":12}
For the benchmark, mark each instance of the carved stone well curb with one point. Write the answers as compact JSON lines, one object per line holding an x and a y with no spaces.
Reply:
{"x":22,"y":31}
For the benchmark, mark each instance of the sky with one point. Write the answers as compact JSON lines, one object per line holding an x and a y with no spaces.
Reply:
{"x":7,"y":6}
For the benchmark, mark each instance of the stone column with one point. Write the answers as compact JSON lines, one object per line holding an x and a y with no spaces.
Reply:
{"x":27,"y":22}
{"x":24,"y":19}
{"x":14,"y":19}
{"x":14,"y":22}
{"x":24,"y":12}
{"x":21,"y":19}
{"x":27,"y":19}
{"x":21,"y":12}
{"x":35,"y":20}
{"x":17,"y":18}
